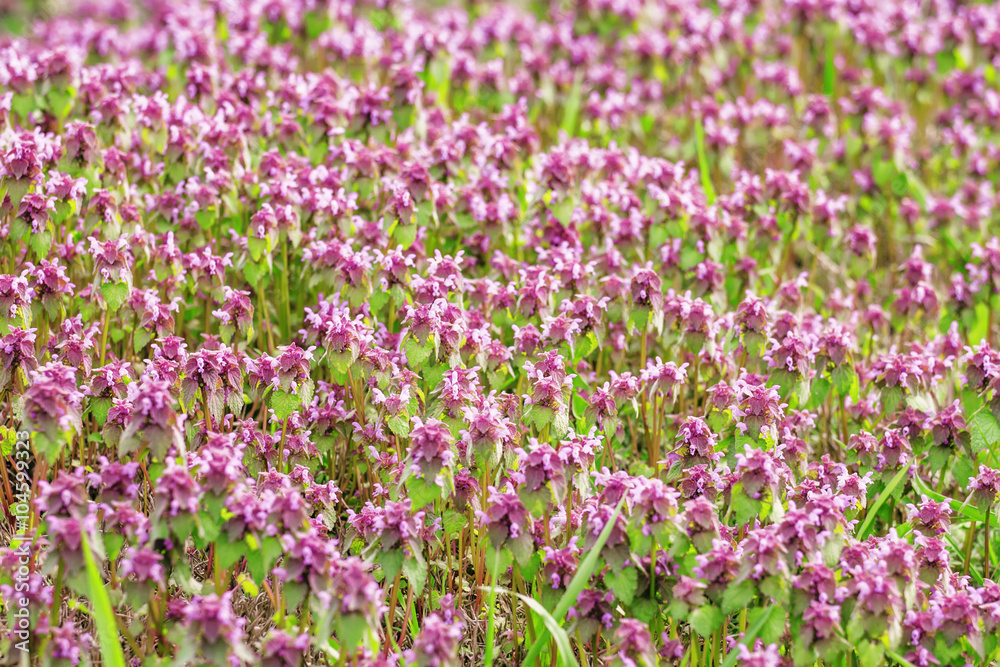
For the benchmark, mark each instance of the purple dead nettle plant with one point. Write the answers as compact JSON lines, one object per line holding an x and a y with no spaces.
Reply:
{"x":339,"y":331}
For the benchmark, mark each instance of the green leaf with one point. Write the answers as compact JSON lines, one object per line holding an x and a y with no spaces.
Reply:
{"x":623,"y":583}
{"x":114,"y":295}
{"x":753,"y":632}
{"x":261,"y":559}
{"x":539,"y":416}
{"x":378,"y":299}
{"x":773,"y":623}
{"x":453,"y":521}
{"x":845,"y":380}
{"x":351,"y":629}
{"x":576,"y":586}
{"x":420,"y":492}
{"x":416,"y":354}
{"x":891,"y":398}
{"x":971,"y":401}
{"x":284,"y":404}
{"x":405,"y":235}
{"x":40,"y":243}
{"x":228,"y":552}
{"x":984,"y":430}
{"x":104,"y":615}
{"x":390,"y":561}
{"x":819,"y":391}
{"x":745,"y":508}
{"x":399,"y":426}
{"x":113,"y":543}
{"x":316,"y":23}
{"x":253,"y":272}
{"x":415,"y":571}
{"x":921,"y":402}
{"x":645,"y":610}
{"x":8,"y":438}
{"x":140,"y":338}
{"x":256,"y":247}
{"x":880,"y":500}
{"x":829,"y":68}
{"x":706,"y":620}
{"x":738,"y":596}
{"x":870,"y":653}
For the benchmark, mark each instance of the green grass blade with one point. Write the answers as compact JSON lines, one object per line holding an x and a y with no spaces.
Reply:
{"x":577,"y":585}
{"x":829,"y":70}
{"x":491,"y":612}
{"x":882,"y":497}
{"x":706,"y":178}
{"x":566,"y":656}
{"x":750,"y":636}
{"x":973,"y":572}
{"x":571,"y":110}
{"x":104,"y":615}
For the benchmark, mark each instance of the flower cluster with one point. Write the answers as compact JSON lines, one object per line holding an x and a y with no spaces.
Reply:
{"x":364,"y":332}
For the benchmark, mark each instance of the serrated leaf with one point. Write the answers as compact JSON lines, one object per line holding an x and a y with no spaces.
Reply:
{"x":351,"y":629}
{"x":140,"y":338}
{"x":115,"y":294}
{"x":420,"y":492}
{"x":623,"y":584}
{"x":870,"y":653}
{"x":416,"y":354}
{"x":452,"y":521}
{"x":773,"y":626}
{"x":390,"y":561}
{"x":706,"y":620}
{"x":819,"y":390}
{"x":891,"y":398}
{"x":415,"y":571}
{"x":284,"y":404}
{"x":845,"y":381}
{"x":738,"y":596}
{"x":984,"y":430}
{"x":229,"y":551}
{"x":399,"y":425}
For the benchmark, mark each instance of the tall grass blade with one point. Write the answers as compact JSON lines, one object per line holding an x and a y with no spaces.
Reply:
{"x":750,"y":636}
{"x":104,"y":615}
{"x":882,"y":497}
{"x":577,"y":585}
{"x":706,"y":177}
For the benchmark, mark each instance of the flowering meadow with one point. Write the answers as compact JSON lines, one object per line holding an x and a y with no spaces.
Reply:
{"x":605,"y":332}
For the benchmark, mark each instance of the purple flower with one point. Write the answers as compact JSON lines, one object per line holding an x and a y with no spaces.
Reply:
{"x":153,"y":419}
{"x":985,"y":487}
{"x":281,"y":649}
{"x":437,"y":643}
{"x":431,"y":448}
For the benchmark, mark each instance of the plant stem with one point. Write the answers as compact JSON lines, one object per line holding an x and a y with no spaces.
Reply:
{"x":287,"y":324}
{"x":491,"y":612}
{"x":104,"y":335}
{"x":986,"y":549}
{"x":970,"y":537}
{"x":392,"y":612}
